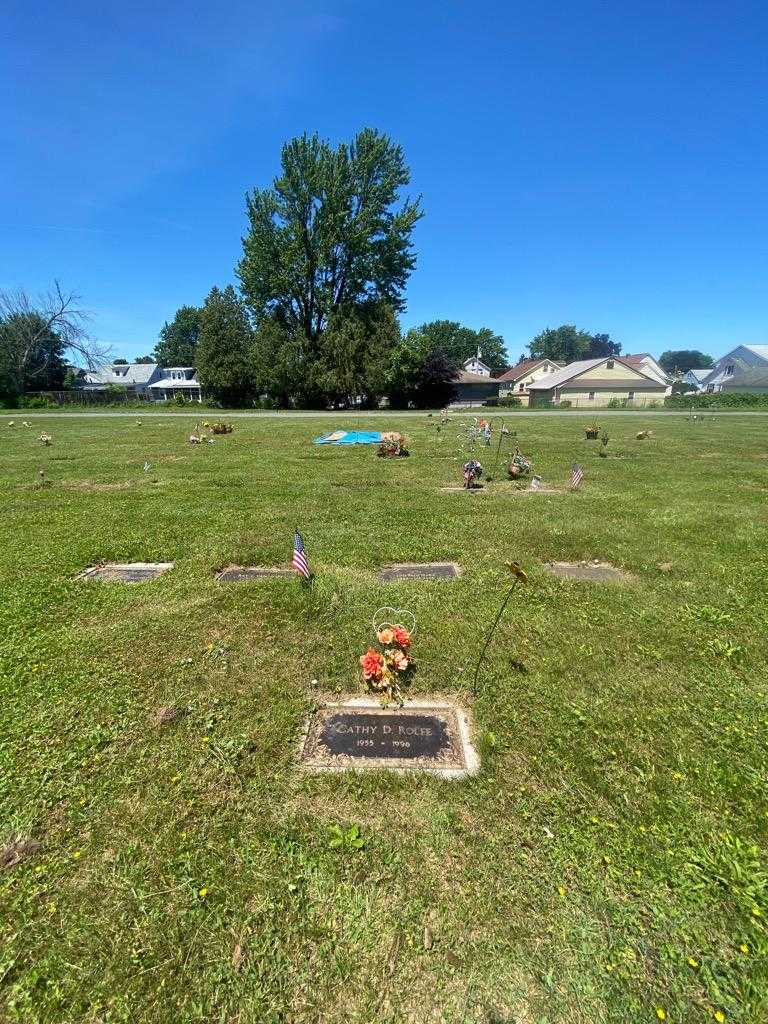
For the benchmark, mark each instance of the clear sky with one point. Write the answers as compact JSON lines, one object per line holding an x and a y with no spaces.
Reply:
{"x":603,"y":164}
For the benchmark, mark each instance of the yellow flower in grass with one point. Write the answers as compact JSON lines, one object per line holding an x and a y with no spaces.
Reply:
{"x":744,"y":947}
{"x":202,"y":893}
{"x":561,"y":890}
{"x":692,"y":962}
{"x":757,"y":912}
{"x":661,"y":1013}
{"x":719,"y":1016}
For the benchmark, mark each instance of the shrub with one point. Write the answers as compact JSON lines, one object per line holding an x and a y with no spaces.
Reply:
{"x":36,"y":402}
{"x":565,"y":403}
{"x":492,"y":401}
{"x":726,"y":400}
{"x":510,"y":402}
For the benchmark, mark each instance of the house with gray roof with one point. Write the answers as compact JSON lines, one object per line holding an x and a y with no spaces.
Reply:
{"x":735,"y":365}
{"x":597,"y":383}
{"x":134,"y":377}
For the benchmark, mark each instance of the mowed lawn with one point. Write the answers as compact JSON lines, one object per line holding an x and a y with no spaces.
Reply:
{"x":607,"y":864}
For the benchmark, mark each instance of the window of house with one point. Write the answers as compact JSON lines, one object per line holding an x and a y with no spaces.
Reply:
{"x":631,"y":396}
{"x":729,"y":370}
{"x":591,"y":395}
{"x":521,"y":387}
{"x":609,"y":364}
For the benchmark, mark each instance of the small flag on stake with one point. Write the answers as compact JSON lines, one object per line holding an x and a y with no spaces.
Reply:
{"x":577,"y":475}
{"x":147,"y":467}
{"x":300,"y":563}
{"x":535,"y":483}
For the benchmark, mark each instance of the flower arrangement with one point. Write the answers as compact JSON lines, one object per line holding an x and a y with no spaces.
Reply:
{"x":393,"y":446}
{"x":593,"y":431}
{"x":221,"y":428}
{"x":46,"y":439}
{"x":518,"y":465}
{"x":472,"y":471}
{"x":385,"y":669}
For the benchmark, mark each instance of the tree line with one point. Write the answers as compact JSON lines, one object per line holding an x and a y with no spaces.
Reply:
{"x":315,"y":318}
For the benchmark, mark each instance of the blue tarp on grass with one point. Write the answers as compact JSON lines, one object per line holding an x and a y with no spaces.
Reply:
{"x":350,"y":437}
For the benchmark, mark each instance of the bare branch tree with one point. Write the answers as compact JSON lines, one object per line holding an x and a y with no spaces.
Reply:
{"x":35,"y":332}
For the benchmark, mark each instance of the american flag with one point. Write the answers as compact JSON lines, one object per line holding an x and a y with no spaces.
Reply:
{"x":577,"y":475}
{"x":300,"y":563}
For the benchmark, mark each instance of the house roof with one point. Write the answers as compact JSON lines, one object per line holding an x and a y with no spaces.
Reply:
{"x":465,"y":377}
{"x":176,"y":382}
{"x":132,"y":373}
{"x":759,"y":350}
{"x":572,"y":370}
{"x":523,"y":367}
{"x":700,"y":373}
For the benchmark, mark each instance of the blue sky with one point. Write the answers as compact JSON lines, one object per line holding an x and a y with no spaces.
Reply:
{"x":596,"y":163}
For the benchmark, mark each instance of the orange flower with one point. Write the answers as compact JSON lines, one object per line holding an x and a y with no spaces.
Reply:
{"x":372,"y":663}
{"x":398,"y":660}
{"x":386,"y":636}
{"x":401,"y":636}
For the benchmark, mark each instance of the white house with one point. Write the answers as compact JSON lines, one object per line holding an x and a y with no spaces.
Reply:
{"x":134,"y":377}
{"x":176,"y":380}
{"x":696,"y":378}
{"x":476,"y":365}
{"x":740,"y":361}
{"x":648,"y":364}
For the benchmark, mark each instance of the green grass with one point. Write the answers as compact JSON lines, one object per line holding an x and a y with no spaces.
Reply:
{"x":609,"y":859}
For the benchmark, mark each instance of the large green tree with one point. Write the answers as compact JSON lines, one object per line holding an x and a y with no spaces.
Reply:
{"x":421,"y":373}
{"x":458,"y":343}
{"x":177,"y":344}
{"x":224,"y":359}
{"x":684,"y":359}
{"x":330,"y":234}
{"x":566,"y":344}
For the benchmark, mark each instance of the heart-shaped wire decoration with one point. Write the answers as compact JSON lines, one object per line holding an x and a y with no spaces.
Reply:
{"x":391,"y":617}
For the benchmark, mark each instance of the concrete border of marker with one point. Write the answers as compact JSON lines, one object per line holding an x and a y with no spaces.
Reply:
{"x":588,"y":572}
{"x":419,"y":571}
{"x":466,"y":765}
{"x":253,"y":573}
{"x":124,"y":572}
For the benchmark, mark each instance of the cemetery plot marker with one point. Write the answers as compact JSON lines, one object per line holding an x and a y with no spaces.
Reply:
{"x":419,"y":571}
{"x":590,"y":572}
{"x":423,"y":736}
{"x":125,"y":572}
{"x":247,"y":573}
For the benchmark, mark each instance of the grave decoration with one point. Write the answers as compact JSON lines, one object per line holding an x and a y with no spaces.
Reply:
{"x":387,"y":668}
{"x":46,"y":439}
{"x":485,"y":432}
{"x":393,"y":446}
{"x":518,"y":576}
{"x":604,"y":439}
{"x":643,"y":435}
{"x":220,"y":427}
{"x":472,"y":472}
{"x":592,"y":432}
{"x":519,"y":466}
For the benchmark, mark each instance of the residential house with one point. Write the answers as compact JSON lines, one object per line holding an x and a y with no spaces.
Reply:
{"x":695,"y":378}
{"x":135,"y":378}
{"x":753,"y":382}
{"x":514,"y":383}
{"x":740,"y":361}
{"x":595,"y":383}
{"x":476,"y":365}
{"x":176,"y":380}
{"x":474,"y":388}
{"x":648,"y":364}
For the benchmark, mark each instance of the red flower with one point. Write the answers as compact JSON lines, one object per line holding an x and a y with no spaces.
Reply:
{"x":402,"y":636}
{"x":372,"y":663}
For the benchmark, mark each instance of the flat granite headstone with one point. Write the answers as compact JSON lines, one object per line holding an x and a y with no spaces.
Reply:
{"x":589,"y":572}
{"x":125,"y":572}
{"x":359,"y":734}
{"x":419,"y":571}
{"x":246,"y":573}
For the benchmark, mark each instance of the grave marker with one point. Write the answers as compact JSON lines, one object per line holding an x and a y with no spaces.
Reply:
{"x":125,"y":572}
{"x":419,"y":571}
{"x":424,"y":736}
{"x":247,"y":573}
